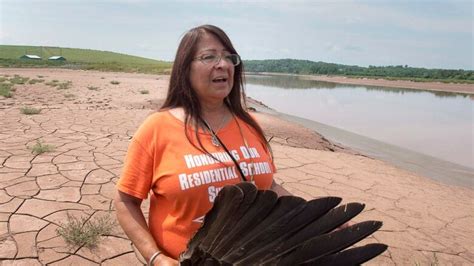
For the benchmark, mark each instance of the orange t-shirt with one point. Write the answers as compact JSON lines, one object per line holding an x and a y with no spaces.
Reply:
{"x":183,"y":180}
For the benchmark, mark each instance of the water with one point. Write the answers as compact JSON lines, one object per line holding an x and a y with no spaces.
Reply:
{"x":438,"y":124}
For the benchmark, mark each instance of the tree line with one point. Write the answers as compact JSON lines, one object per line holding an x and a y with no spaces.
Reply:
{"x":306,"y":67}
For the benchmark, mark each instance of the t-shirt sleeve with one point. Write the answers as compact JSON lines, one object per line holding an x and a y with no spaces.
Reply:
{"x":138,"y":169}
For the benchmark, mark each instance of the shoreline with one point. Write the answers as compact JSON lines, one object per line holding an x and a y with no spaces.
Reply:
{"x":405,"y":84}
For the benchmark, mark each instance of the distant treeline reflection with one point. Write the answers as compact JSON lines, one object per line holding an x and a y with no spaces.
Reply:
{"x":295,"y":82}
{"x":289,"y":82}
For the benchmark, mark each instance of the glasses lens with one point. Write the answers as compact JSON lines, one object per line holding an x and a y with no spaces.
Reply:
{"x":235,"y":59}
{"x":209,"y":59}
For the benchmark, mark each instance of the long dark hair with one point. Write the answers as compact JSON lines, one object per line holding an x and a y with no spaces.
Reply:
{"x":181,"y":94}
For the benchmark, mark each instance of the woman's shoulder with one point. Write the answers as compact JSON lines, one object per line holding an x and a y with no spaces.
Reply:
{"x":159,"y":120}
{"x":156,"y":117}
{"x":177,"y":113}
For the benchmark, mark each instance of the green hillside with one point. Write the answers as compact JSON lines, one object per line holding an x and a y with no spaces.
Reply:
{"x":80,"y":59}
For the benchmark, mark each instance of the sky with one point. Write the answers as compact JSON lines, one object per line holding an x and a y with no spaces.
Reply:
{"x":418,"y":33}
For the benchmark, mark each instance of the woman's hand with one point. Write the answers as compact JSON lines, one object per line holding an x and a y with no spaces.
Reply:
{"x":164,"y":260}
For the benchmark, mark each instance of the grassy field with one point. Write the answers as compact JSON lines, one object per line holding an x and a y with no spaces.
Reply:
{"x":81,"y":59}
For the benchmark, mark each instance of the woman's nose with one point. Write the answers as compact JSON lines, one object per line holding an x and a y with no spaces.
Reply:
{"x":222,"y":63}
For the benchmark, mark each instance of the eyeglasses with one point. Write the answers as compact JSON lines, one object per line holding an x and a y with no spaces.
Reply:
{"x":212,"y":59}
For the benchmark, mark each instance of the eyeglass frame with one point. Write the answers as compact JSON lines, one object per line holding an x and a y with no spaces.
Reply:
{"x":219,"y":58}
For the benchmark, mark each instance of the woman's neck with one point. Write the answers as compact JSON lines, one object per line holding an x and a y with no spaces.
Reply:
{"x":215,"y":114}
{"x":212,"y":110}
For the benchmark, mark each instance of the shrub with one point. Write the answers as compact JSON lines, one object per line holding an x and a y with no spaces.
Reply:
{"x":40,"y":148}
{"x":18,"y":80}
{"x":33,"y":81}
{"x":144,"y":92}
{"x":114,"y":82}
{"x":29,"y":110}
{"x":82,"y":232}
{"x":65,"y":85}
{"x":53,"y":83}
{"x":6,"y":90}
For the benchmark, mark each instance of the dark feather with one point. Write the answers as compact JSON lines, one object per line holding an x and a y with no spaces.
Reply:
{"x":224,"y":203}
{"x":259,"y":236}
{"x":277,"y":233}
{"x":264,"y":203}
{"x":353,"y":256}
{"x":235,"y":219}
{"x":230,"y":202}
{"x":246,"y":227}
{"x":326,"y":244}
{"x":330,"y":221}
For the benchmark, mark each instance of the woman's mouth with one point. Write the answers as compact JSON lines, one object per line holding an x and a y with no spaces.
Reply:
{"x":219,"y":80}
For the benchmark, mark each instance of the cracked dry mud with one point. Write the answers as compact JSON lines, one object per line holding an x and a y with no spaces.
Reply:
{"x":425,"y":222}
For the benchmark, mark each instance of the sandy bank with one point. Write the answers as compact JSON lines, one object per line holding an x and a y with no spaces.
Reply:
{"x":90,"y":124}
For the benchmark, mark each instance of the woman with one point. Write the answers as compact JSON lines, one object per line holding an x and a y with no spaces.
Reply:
{"x":201,"y":140}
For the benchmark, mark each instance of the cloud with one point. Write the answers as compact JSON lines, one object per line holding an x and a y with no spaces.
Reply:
{"x":353,"y":48}
{"x":353,"y":20}
{"x":333,"y":47}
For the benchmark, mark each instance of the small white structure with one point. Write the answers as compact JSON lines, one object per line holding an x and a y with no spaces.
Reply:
{"x":57,"y":58}
{"x":30,"y":56}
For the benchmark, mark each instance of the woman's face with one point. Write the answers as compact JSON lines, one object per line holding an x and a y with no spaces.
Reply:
{"x":211,"y":82}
